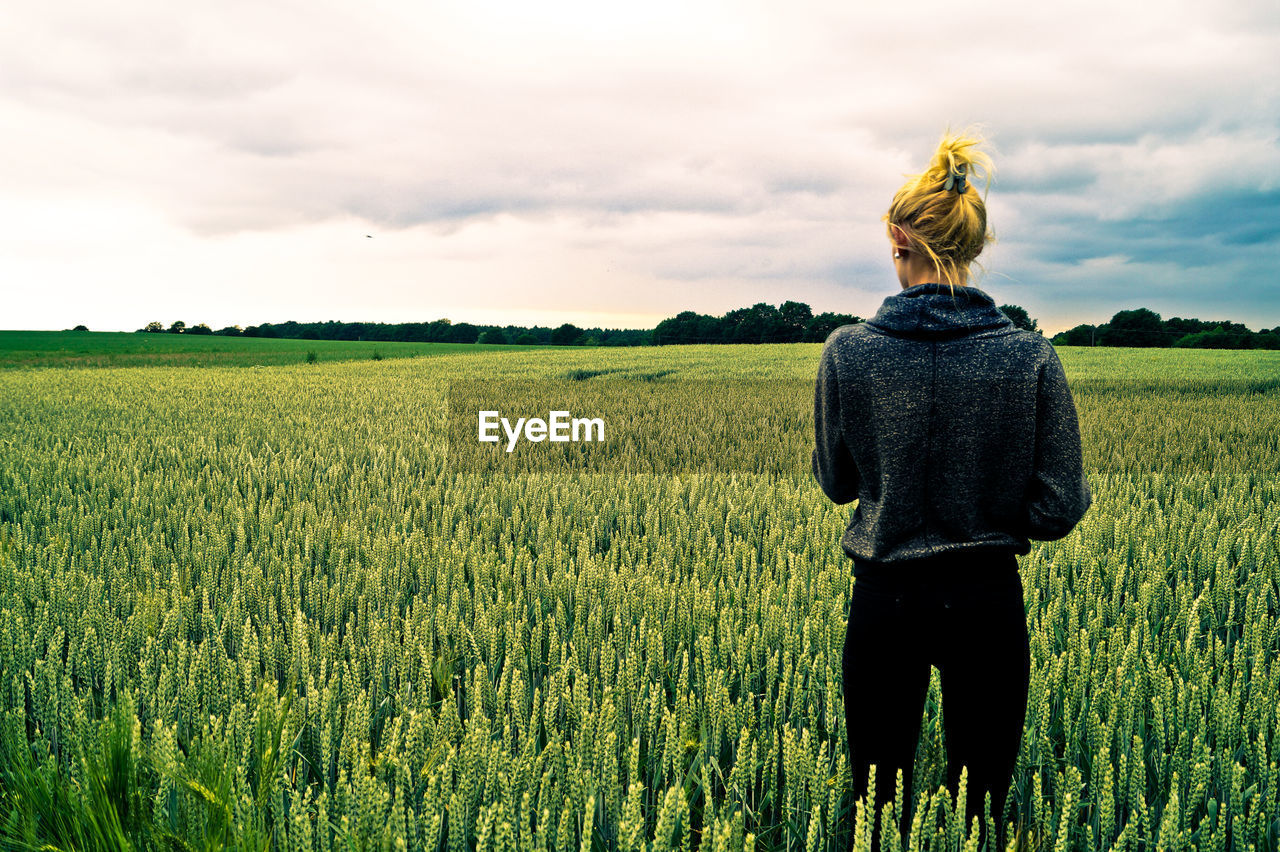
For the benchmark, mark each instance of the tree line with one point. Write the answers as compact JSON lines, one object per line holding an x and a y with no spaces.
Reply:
{"x":1144,"y":327}
{"x":438,"y":331}
{"x":790,"y":322}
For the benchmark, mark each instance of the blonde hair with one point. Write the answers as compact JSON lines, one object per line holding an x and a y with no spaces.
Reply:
{"x":947,"y":227}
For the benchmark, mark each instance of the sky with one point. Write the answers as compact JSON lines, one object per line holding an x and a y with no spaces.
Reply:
{"x":612,"y":164}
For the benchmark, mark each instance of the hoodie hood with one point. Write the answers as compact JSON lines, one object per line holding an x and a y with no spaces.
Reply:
{"x":930,"y":311}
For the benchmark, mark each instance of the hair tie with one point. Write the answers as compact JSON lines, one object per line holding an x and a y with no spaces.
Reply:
{"x":957,"y":180}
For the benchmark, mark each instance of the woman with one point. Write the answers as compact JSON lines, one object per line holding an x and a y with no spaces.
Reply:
{"x":957,"y":434}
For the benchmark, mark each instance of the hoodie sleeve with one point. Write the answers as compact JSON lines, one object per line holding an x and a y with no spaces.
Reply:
{"x":1059,"y":493}
{"x":833,"y":465}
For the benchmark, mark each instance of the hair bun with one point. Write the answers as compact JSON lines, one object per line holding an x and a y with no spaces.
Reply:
{"x":959,"y":154}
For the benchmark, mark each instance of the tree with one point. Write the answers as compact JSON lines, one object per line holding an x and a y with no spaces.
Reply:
{"x":202,"y":328}
{"x":1081,"y":335}
{"x":772,"y":329}
{"x":1219,"y":338}
{"x":1138,"y":327}
{"x":821,"y":326}
{"x":566,"y":335}
{"x":493,"y":335}
{"x":230,"y":331}
{"x":1020,"y":317}
{"x":465,"y":332}
{"x":1186,"y":326}
{"x":743,"y":325}
{"x":178,"y":327}
{"x":440,"y":331}
{"x":81,"y":328}
{"x":686,"y":327}
{"x":154,"y":328}
{"x":795,"y":319}
{"x":528,"y":338}
{"x":410,"y":331}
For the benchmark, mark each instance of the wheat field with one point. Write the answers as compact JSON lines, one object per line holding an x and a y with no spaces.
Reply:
{"x":266,"y":608}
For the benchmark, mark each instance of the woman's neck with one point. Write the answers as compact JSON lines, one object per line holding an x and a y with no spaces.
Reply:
{"x":924,"y":273}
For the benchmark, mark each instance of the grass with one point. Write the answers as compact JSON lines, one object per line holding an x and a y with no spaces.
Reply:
{"x":106,"y":806}
{"x":19,"y":349}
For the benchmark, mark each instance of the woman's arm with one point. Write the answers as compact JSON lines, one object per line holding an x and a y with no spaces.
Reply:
{"x":833,"y":465}
{"x":1059,"y":493}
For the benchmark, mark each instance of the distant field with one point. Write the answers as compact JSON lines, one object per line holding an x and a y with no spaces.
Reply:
{"x":131,"y":349}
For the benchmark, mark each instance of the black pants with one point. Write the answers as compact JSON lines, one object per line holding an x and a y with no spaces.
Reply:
{"x":963,"y":614}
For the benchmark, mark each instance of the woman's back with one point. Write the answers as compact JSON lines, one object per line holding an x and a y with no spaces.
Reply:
{"x":959,"y":425}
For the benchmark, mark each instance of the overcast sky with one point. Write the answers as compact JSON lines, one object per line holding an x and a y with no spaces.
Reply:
{"x":613,"y":164}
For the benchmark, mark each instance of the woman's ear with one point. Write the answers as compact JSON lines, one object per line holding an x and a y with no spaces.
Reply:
{"x":899,"y":237}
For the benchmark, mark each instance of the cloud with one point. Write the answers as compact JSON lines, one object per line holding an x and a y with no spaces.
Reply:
{"x":701,"y":151}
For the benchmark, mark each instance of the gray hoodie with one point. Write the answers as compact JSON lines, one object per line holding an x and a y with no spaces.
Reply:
{"x":953,"y":429}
